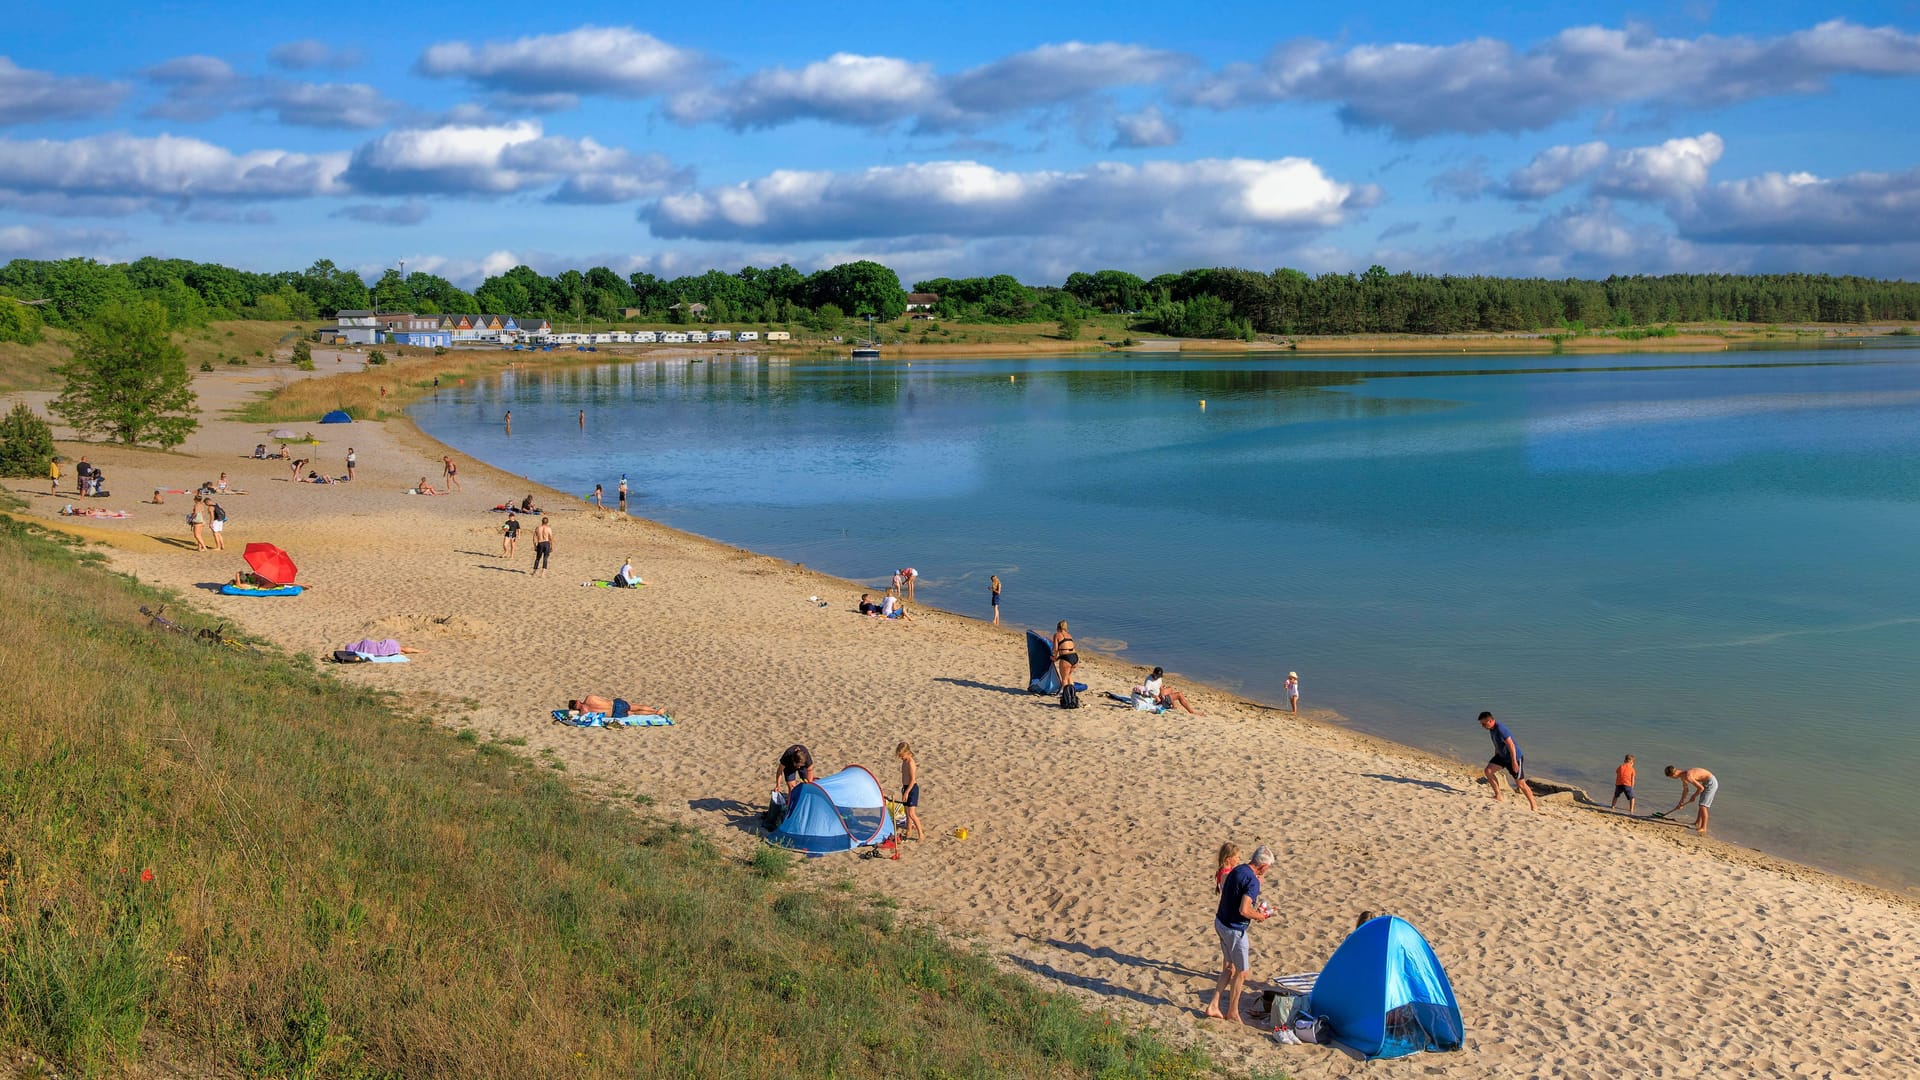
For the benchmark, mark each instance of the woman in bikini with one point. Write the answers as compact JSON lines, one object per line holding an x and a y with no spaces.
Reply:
{"x":1065,"y":658}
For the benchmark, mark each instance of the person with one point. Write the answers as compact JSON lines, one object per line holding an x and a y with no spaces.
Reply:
{"x":222,"y":487}
{"x":868,"y":607}
{"x":626,"y":578}
{"x":993,"y":584}
{"x":452,"y":474}
{"x":1506,"y":756}
{"x":197,"y":521}
{"x":217,"y":517}
{"x":583,"y":419}
{"x":1623,"y":784}
{"x":908,"y":576}
{"x":899,"y":580}
{"x":910,"y":790}
{"x":53,"y":476}
{"x":597,"y":504}
{"x":1695,"y":784}
{"x":1293,"y":692}
{"x":1065,"y":657}
{"x":82,"y":472}
{"x":294,"y":468}
{"x":1239,"y":909}
{"x":353,"y":459}
{"x":509,"y":535}
{"x":260,"y":451}
{"x":424,"y":488}
{"x":590,"y":703}
{"x":158,"y":499}
{"x":889,"y":604}
{"x":1226,"y":858}
{"x":509,"y":421}
{"x":526,"y":504}
{"x":795,"y":767}
{"x":246,"y":579}
{"x":1156,"y":689}
{"x":542,"y":547}
{"x":623,"y":493}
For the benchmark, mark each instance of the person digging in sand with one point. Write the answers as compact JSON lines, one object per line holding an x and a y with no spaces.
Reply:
{"x":1695,"y":785}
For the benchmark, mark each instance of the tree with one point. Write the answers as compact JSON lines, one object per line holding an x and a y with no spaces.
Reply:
{"x":26,"y":443}
{"x":128,"y":380}
{"x":18,"y":322}
{"x":863,"y":288}
{"x":1069,"y":327}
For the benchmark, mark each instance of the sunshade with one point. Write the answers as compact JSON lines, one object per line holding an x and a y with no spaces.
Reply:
{"x":282,"y":433}
{"x":271,"y":564}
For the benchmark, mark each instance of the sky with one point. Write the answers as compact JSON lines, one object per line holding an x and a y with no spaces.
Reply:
{"x":1031,"y":139}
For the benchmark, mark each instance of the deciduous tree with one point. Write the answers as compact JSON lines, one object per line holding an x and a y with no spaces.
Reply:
{"x":128,"y":380}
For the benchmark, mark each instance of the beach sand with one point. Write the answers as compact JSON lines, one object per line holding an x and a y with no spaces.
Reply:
{"x":1580,"y":943}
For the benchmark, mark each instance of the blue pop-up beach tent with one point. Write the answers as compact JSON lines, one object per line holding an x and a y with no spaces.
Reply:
{"x":337,"y":416}
{"x":835,"y":813}
{"x":1041,"y":677}
{"x":1384,"y":993}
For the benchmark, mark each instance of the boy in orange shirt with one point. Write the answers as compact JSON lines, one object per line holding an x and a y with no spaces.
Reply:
{"x":1623,"y":784}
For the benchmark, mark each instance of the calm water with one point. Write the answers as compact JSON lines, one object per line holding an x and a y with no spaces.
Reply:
{"x":1696,"y":559}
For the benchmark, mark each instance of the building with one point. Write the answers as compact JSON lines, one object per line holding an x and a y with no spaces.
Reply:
{"x":357,"y":327}
{"x":920,"y":304}
{"x":694,"y":311}
{"x":631,"y":312}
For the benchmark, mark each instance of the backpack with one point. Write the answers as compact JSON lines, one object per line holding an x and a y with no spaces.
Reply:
{"x":219,"y":512}
{"x":1069,"y":697}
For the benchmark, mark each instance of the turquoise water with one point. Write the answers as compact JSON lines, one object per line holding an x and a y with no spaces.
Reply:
{"x":1698,"y":559}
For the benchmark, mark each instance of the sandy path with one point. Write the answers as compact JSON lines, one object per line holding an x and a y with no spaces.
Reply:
{"x":1579,"y":944}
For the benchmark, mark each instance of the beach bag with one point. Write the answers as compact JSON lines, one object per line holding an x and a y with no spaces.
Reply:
{"x":776,"y":812}
{"x":1069,"y":697}
{"x":342,"y":656}
{"x":219,"y":513}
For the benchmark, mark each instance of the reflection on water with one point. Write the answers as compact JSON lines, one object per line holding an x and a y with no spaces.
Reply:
{"x":1703,"y":561}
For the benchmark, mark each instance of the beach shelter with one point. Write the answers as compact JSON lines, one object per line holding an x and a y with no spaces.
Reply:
{"x":1384,"y":993}
{"x":1041,"y":676}
{"x":835,"y":813}
{"x":337,"y":416}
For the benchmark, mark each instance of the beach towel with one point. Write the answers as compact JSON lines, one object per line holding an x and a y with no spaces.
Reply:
{"x":370,"y":647}
{"x":231,"y":589}
{"x":597,"y":584}
{"x":1142,"y":703}
{"x":600,"y":719}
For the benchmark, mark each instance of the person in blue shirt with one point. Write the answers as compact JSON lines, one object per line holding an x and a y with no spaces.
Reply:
{"x":1240,"y":907}
{"x":1506,"y":756}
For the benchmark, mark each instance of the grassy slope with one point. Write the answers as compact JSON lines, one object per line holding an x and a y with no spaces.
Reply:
{"x":340,"y":891}
{"x":30,"y":367}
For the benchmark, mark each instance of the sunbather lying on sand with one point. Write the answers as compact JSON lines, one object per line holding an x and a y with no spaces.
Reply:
{"x":592,"y":703}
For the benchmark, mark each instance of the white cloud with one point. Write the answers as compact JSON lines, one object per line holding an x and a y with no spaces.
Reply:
{"x":845,"y":88}
{"x":1675,"y":169}
{"x":126,"y":167}
{"x":1146,"y":128}
{"x":1486,"y":85}
{"x":308,"y":53}
{"x":503,"y":159}
{"x":27,"y":96}
{"x":201,"y":88}
{"x":1555,"y":169}
{"x":965,"y":198}
{"x":39,"y":242}
{"x":614,"y":60}
{"x":411,"y":212}
{"x":1050,"y":74}
{"x":1871,"y":209}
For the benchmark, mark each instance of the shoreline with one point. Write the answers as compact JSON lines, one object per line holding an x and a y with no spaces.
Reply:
{"x":1077,"y":873}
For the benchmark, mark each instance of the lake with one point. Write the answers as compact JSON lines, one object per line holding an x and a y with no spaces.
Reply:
{"x":1700,"y":559}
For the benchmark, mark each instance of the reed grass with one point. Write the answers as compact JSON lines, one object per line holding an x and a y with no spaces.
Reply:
{"x":214,"y":864}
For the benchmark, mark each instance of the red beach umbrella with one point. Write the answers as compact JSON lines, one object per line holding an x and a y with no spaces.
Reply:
{"x":270,"y":563}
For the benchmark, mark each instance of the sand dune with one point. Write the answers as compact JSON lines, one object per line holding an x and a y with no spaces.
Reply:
{"x":1581,"y":944}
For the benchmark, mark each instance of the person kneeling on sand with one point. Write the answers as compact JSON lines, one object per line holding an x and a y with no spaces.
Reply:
{"x":1695,"y":784}
{"x":1240,"y":907}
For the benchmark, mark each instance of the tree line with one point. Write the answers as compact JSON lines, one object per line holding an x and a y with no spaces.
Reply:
{"x":1216,"y":302}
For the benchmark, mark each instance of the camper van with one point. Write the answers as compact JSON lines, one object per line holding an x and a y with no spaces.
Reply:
{"x":747,"y":335}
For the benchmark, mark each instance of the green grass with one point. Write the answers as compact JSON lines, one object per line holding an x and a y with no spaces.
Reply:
{"x":216,"y":864}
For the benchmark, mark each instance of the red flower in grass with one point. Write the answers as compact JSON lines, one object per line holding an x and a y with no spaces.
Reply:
{"x":147,"y":874}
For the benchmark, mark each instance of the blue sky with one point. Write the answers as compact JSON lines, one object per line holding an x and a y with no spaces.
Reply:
{"x":1032,"y":139}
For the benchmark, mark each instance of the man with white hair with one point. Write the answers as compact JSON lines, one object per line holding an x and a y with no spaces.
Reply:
{"x":1240,"y":907}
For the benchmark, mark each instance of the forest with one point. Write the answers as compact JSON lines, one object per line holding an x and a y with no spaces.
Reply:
{"x":1217,"y":302}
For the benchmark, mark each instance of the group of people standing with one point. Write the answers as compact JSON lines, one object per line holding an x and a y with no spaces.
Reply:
{"x":1697,"y":785}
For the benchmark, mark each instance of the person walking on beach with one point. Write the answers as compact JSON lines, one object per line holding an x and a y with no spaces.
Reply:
{"x":542,"y":547}
{"x":1623,"y":784}
{"x":597,"y":504}
{"x":53,"y":475}
{"x":993,"y":583}
{"x":1293,"y":692}
{"x":452,"y":474}
{"x":1239,"y":908}
{"x":509,"y":535}
{"x":353,"y":460}
{"x":1507,"y":758}
{"x":910,"y":790}
{"x":1065,"y":656}
{"x":1695,"y":784}
{"x":197,"y":521}
{"x":623,"y":493}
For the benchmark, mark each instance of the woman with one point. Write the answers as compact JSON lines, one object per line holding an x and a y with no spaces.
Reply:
{"x":794,"y":767}
{"x":1156,"y":689}
{"x":1065,"y":657}
{"x":197,"y":521}
{"x":994,"y":584}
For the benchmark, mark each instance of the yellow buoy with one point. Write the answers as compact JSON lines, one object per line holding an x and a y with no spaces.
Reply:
{"x":1203,"y":403}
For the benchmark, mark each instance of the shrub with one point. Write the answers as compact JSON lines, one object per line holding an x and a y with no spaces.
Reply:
{"x":302,"y":351}
{"x":376,"y":357}
{"x":207,"y":365}
{"x":26,"y":442}
{"x":238,"y":361}
{"x":303,"y":365}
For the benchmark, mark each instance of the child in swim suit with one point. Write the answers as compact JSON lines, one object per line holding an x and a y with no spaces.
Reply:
{"x":910,"y":789}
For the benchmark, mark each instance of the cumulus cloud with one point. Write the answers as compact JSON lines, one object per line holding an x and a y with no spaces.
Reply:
{"x":616,"y":61}
{"x":845,"y":88}
{"x":968,"y":199}
{"x":1146,"y":128}
{"x":40,"y":242}
{"x":412,"y":212}
{"x":503,"y":159}
{"x":1555,"y":169}
{"x":119,"y":168}
{"x":1468,"y":181}
{"x":1588,"y":240}
{"x":1675,"y":169}
{"x":28,"y":96}
{"x":203,"y":87}
{"x":1869,"y":208}
{"x":1051,"y":74}
{"x":1487,"y":85}
{"x":308,"y":53}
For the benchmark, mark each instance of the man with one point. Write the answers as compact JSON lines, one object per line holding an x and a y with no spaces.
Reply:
{"x":1506,"y":757}
{"x":1239,"y":908}
{"x":795,"y":767}
{"x":509,"y":535}
{"x":542,"y":547}
{"x":623,"y":493}
{"x":452,"y":473}
{"x":1695,"y":784}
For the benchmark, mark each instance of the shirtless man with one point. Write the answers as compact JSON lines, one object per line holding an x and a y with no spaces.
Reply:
{"x":542,"y":547}
{"x":1695,"y":784}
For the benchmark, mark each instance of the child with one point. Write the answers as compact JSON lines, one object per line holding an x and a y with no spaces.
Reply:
{"x":1229,"y":857}
{"x":1623,"y":784}
{"x":1293,"y":692}
{"x":910,"y":789}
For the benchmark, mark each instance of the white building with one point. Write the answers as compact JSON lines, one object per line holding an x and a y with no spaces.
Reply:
{"x":358,"y":327}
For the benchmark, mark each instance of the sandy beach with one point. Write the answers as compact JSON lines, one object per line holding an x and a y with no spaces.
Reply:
{"x":1580,"y":943}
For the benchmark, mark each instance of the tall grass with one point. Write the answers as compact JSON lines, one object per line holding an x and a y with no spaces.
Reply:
{"x":217,"y":864}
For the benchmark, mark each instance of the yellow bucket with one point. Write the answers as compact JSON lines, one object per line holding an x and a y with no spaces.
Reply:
{"x":961,"y":834}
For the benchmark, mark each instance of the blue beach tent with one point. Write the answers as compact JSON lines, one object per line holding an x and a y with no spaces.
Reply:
{"x":337,"y":416}
{"x":1384,"y":993}
{"x":835,"y":813}
{"x":1041,"y":677}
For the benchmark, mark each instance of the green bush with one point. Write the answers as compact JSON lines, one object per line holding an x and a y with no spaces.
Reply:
{"x":376,"y":357}
{"x":206,"y":365}
{"x":26,"y":442}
